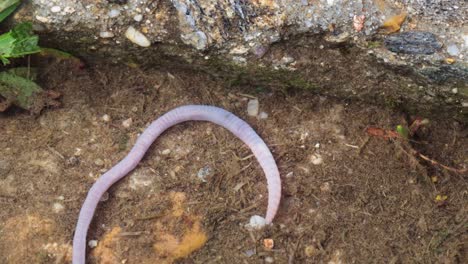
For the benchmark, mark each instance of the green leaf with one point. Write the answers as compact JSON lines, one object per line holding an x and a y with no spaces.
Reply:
{"x":403,"y":131}
{"x":7,"y":7}
{"x":18,"y":90}
{"x":18,"y":42}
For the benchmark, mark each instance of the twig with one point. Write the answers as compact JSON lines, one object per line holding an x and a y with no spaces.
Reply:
{"x":434,"y":162}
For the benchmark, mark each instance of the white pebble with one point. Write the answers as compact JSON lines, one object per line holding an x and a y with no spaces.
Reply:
{"x":269,"y":260}
{"x":56,"y":9}
{"x":316,"y":159}
{"x":455,"y":90}
{"x":105,"y":118}
{"x":92,"y":243}
{"x":166,"y":152}
{"x":127,"y":123}
{"x":138,"y":17}
{"x":137,"y":37}
{"x":317,"y":145}
{"x":113,"y":13}
{"x":453,"y":50}
{"x":58,"y":207}
{"x":106,"y":34}
{"x":263,"y":115}
{"x":256,"y":222}
{"x":252,"y":107}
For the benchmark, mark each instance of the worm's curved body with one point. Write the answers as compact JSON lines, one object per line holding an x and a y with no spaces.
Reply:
{"x":184,"y":113}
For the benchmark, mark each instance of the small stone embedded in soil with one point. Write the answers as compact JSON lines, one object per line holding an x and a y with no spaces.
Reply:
{"x":92,"y":243}
{"x":113,"y":13}
{"x":99,"y":162}
{"x":138,"y":17}
{"x":252,"y":107}
{"x":105,"y":118}
{"x":204,"y":172}
{"x":137,"y":37}
{"x":269,"y":259}
{"x":414,"y":42}
{"x":256,"y":222}
{"x":166,"y":152}
{"x":127,"y":123}
{"x":310,"y":251}
{"x":263,"y":115}
{"x":106,"y":34}
{"x":55,"y":9}
{"x":316,"y":159}
{"x":453,"y":50}
{"x":58,"y":207}
{"x":249,"y":253}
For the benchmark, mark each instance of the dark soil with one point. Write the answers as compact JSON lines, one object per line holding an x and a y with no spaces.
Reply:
{"x":367,"y":202}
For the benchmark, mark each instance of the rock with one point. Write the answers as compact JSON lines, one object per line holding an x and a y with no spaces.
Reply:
{"x":99,"y":162}
{"x":92,"y":243}
{"x":106,"y":118}
{"x":413,"y":42}
{"x":58,"y":208}
{"x":166,"y":152}
{"x":106,"y":34}
{"x":55,"y":9}
{"x":127,"y":123}
{"x":252,"y":107}
{"x":316,"y":159}
{"x":453,"y":50}
{"x":138,"y":17}
{"x":204,"y":172}
{"x":263,"y":115}
{"x":246,"y":40}
{"x":137,"y":37}
{"x":113,"y":13}
{"x":256,"y":222}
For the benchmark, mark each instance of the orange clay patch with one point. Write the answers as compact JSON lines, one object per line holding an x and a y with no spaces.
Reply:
{"x":169,"y":245}
{"x":24,"y":236}
{"x":176,"y":235}
{"x":393,"y":24}
{"x":107,"y":246}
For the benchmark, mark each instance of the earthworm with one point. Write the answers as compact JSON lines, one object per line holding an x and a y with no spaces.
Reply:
{"x":178,"y":115}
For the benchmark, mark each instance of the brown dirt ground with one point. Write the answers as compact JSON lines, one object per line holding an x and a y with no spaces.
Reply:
{"x":366,"y":203}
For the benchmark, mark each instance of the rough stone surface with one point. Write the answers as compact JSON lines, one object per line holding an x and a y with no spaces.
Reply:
{"x":243,"y":35}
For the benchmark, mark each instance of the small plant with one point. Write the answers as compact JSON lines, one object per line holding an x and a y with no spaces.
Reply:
{"x":17,"y":85}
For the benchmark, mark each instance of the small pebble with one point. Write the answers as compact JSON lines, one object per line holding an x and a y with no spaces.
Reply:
{"x":455,"y":90}
{"x":249,"y":252}
{"x":453,"y":50}
{"x":56,"y":9}
{"x":92,"y":243}
{"x":113,"y":13}
{"x":78,"y":152}
{"x":99,"y":162}
{"x":166,"y":152}
{"x":137,"y":37}
{"x":290,"y":174}
{"x":204,"y":172}
{"x":256,"y":222}
{"x":316,"y":159}
{"x":58,"y":207}
{"x":105,"y":118}
{"x":252,"y":107}
{"x":317,"y":145}
{"x":127,"y":123}
{"x":138,"y":17}
{"x":263,"y":115}
{"x":134,"y":109}
{"x":106,"y":34}
{"x":269,"y":260}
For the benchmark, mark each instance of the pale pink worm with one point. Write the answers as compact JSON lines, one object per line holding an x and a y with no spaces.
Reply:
{"x":178,"y":115}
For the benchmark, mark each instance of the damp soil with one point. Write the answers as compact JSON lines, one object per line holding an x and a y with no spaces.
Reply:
{"x":347,"y":197}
